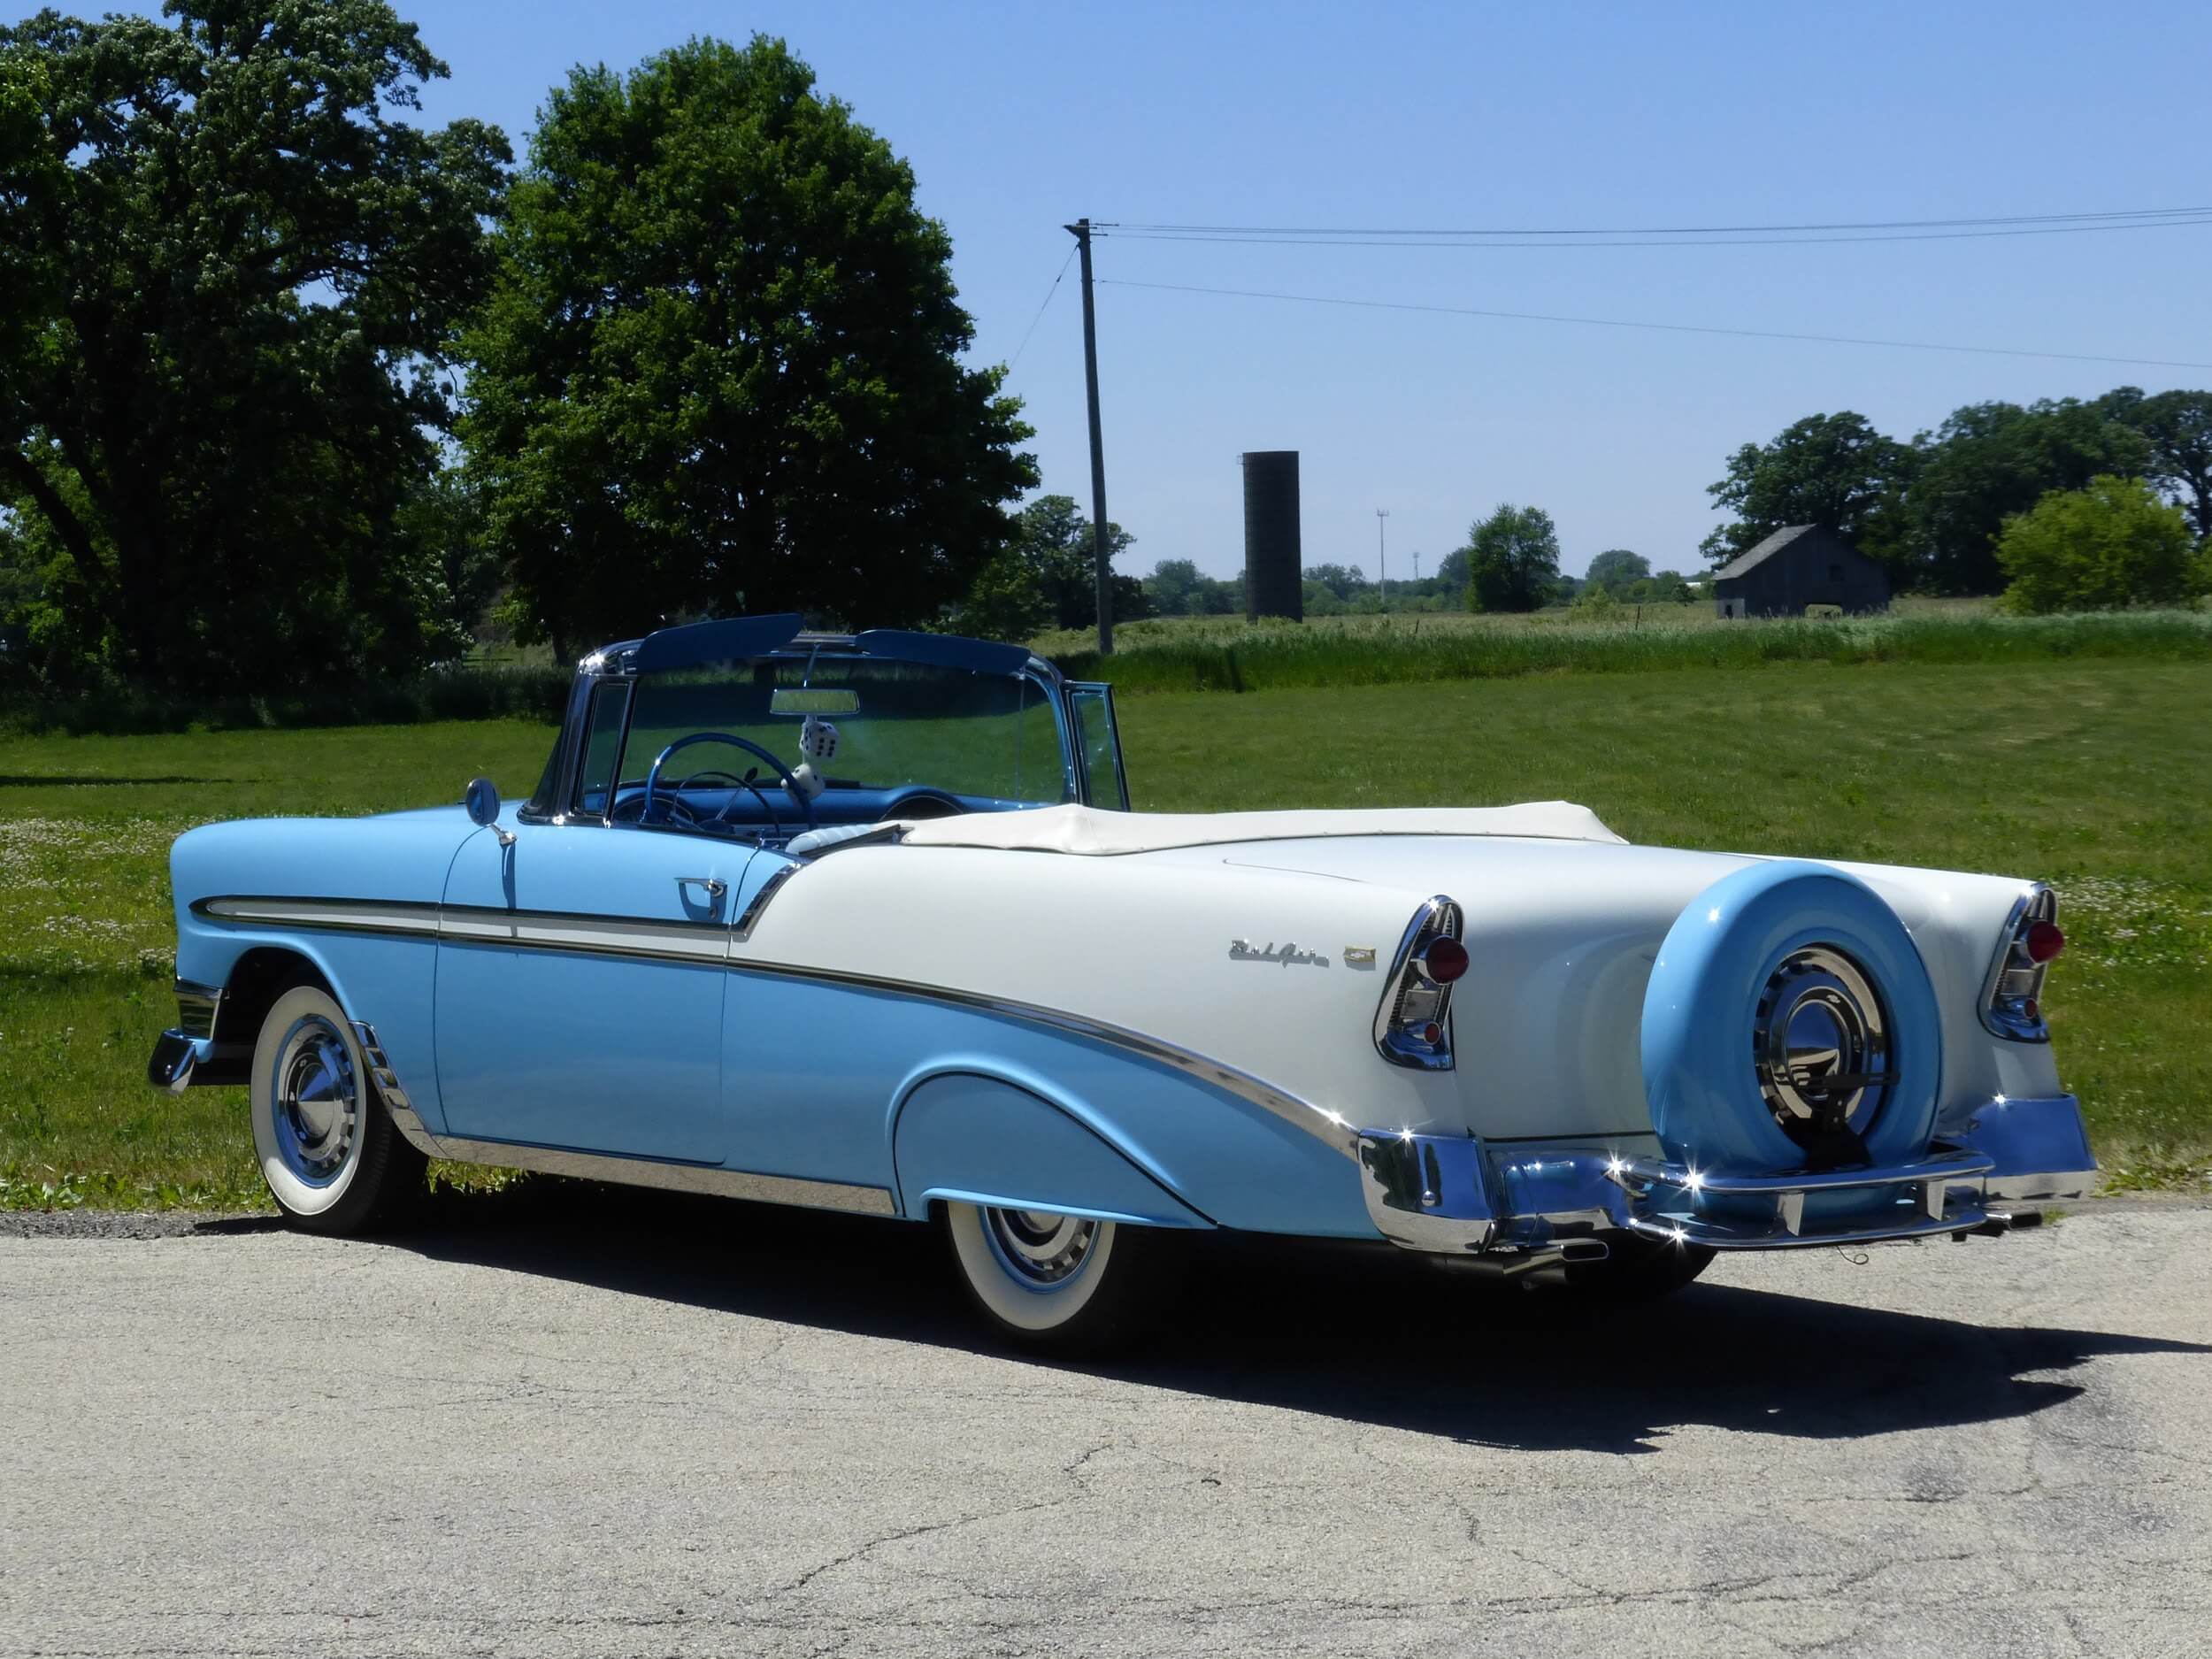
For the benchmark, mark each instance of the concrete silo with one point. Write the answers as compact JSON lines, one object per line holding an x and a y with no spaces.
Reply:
{"x":1273,"y":554}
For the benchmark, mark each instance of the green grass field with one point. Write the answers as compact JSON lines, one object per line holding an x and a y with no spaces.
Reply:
{"x":2088,"y":772}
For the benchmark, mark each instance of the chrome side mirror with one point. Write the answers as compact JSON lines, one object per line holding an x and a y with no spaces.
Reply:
{"x":483,"y":802}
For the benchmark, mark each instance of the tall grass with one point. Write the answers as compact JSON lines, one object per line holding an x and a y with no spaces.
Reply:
{"x":1275,"y":656}
{"x":1228,"y":654}
{"x":463,"y":693}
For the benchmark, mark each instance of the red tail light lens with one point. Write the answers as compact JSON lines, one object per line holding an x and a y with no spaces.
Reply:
{"x":2014,"y":1008}
{"x":1413,"y":1023}
{"x":1447,"y":960}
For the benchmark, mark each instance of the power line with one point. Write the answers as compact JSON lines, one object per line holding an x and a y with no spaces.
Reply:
{"x":1394,"y":239}
{"x":1676,"y":230}
{"x":1676,"y":328}
{"x":1040,"y":317}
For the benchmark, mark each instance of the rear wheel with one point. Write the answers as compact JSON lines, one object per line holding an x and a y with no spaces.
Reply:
{"x":1047,"y":1280}
{"x":1637,"y":1269}
{"x":328,"y":1151}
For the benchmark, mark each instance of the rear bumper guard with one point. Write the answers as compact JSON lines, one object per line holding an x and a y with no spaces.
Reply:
{"x":1526,"y":1205}
{"x":1941,"y":1193}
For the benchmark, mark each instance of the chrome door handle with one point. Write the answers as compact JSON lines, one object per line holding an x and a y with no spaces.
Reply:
{"x":715,"y":888}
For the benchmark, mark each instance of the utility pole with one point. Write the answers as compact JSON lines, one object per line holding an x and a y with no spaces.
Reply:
{"x":1382,"y":552}
{"x":1081,"y":231}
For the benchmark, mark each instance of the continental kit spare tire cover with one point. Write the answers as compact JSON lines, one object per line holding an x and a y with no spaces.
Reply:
{"x":1790,"y":1023}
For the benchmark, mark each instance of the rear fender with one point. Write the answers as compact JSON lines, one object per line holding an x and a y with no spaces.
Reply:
{"x":973,"y":1130}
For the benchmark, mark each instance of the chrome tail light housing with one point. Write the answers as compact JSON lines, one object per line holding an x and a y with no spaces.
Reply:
{"x":2012,"y":1000}
{"x":1413,"y":1026}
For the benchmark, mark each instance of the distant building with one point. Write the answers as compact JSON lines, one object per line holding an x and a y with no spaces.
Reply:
{"x":1273,"y":558}
{"x":1803,"y":564}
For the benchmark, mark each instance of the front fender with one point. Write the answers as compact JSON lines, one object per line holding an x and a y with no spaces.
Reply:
{"x":385,"y":980}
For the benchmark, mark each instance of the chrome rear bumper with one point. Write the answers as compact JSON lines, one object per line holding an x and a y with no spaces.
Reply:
{"x":1454,"y":1194}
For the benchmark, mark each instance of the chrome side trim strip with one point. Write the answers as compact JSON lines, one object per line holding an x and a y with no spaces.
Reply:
{"x":541,"y":930}
{"x":596,"y":935}
{"x":365,"y":915}
{"x":1331,"y":1127}
{"x":700,"y":942}
{"x":607,"y":1166}
{"x":758,"y":903}
{"x":675,"y":1178}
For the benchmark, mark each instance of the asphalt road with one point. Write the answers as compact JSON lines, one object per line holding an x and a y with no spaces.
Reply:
{"x":580,"y":1423}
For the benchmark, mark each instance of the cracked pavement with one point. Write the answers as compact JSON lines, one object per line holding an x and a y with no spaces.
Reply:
{"x":566,"y":1420}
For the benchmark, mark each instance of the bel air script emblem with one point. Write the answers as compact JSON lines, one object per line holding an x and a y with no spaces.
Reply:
{"x":1245,"y":950}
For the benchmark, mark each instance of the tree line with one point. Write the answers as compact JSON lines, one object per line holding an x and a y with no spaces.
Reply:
{"x":296,"y":388}
{"x":1936,"y":509}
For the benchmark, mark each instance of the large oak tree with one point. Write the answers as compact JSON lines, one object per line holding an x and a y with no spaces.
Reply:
{"x":2177,"y":425}
{"x":1990,"y":461}
{"x":723,"y":368}
{"x":1833,"y":470}
{"x":229,"y":263}
{"x":1512,"y":559}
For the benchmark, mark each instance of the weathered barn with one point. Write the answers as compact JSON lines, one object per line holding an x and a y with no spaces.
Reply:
{"x":1800,"y":565}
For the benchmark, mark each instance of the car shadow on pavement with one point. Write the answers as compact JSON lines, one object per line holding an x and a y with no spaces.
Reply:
{"x":1362,"y":1333}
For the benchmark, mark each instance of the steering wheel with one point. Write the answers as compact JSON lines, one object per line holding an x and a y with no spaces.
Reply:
{"x":790,"y":783}
{"x":682,"y":812}
{"x":746,"y":783}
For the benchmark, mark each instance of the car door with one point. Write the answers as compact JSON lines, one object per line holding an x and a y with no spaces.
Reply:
{"x":579,"y":988}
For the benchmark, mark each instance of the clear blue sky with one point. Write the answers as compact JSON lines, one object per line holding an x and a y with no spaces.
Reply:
{"x":1020,"y":118}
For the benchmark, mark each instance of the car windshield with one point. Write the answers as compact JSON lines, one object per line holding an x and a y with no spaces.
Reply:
{"x":985,"y":740}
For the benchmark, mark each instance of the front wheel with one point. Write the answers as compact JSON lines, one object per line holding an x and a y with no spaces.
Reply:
{"x":1052,"y":1281}
{"x":333,"y":1160}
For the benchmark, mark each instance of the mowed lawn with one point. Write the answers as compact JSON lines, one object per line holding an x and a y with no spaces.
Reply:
{"x":2093,"y":776}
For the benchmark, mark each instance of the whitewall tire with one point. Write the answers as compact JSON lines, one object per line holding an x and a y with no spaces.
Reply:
{"x":327,"y":1147}
{"x":1049,"y":1280}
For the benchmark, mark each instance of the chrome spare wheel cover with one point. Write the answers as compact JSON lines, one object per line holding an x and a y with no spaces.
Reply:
{"x":1820,"y":1046}
{"x":316,"y":1105}
{"x":1041,"y":1249}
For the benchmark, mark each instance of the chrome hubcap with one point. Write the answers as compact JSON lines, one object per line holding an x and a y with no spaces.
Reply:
{"x":1038,"y":1248}
{"x":315,"y":1106}
{"x":1820,"y":1046}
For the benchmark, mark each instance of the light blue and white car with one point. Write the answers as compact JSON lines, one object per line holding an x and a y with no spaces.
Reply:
{"x":863,"y":923}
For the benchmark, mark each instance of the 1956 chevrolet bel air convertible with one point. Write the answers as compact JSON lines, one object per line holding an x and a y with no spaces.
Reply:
{"x":863,"y":923}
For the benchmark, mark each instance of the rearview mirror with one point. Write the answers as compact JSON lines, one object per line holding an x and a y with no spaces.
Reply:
{"x":483,"y":802}
{"x":813,"y":700}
